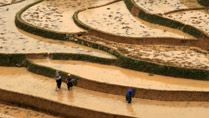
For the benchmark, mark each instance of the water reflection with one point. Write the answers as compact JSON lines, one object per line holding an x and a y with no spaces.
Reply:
{"x":130,"y":109}
{"x":126,"y":77}
{"x":97,"y":101}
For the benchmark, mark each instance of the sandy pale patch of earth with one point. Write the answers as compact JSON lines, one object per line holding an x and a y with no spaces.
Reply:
{"x":198,"y":19}
{"x":13,"y":40}
{"x":163,"y":6}
{"x":117,"y":19}
{"x":2,"y":2}
{"x":7,"y":111}
{"x":181,"y":56}
{"x":57,"y":15}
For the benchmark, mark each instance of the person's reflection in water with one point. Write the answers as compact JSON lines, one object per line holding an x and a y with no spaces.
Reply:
{"x":60,"y":95}
{"x":130,"y":109}
{"x":70,"y":96}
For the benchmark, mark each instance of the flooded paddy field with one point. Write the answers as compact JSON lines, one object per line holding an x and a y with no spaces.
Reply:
{"x":7,"y":111}
{"x":116,"y":19}
{"x":196,"y":18}
{"x":124,"y":77}
{"x":57,"y":15}
{"x":163,"y":6}
{"x":21,"y":81}
{"x":13,"y":40}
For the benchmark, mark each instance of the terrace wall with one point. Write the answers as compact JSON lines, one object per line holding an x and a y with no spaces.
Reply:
{"x":204,"y":2}
{"x":123,"y":61}
{"x":157,"y":19}
{"x":164,"y":95}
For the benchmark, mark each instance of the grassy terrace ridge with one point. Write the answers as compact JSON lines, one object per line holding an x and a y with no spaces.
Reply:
{"x":181,"y":10}
{"x":123,"y":61}
{"x":157,"y":19}
{"x":204,"y":2}
{"x":12,"y":2}
{"x":109,"y":35}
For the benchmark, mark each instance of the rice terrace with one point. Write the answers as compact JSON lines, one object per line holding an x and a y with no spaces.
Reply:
{"x":104,"y":58}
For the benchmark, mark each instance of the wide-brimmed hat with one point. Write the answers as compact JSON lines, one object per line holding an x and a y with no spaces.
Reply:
{"x":69,"y":74}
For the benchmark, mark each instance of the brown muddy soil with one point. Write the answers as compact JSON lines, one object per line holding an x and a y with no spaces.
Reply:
{"x":197,"y":18}
{"x":7,"y":111}
{"x":13,"y":40}
{"x":117,"y":19}
{"x":181,"y":56}
{"x":124,"y":77}
{"x":57,"y":15}
{"x":162,"y":6}
{"x":19,"y":80}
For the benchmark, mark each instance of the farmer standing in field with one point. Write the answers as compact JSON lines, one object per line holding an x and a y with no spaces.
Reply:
{"x":58,"y":80}
{"x":129,"y":95}
{"x":69,"y":82}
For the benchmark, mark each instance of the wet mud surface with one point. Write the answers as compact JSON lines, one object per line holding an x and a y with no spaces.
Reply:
{"x":116,"y":19}
{"x":163,"y":6}
{"x":7,"y":111}
{"x":197,"y":18}
{"x":124,"y":77}
{"x":9,"y":2}
{"x":57,"y":15}
{"x":181,"y":56}
{"x":13,"y":40}
{"x":19,"y":80}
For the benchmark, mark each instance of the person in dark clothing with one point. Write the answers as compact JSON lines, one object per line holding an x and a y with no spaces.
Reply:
{"x":69,"y":82}
{"x":58,"y":80}
{"x":129,"y":95}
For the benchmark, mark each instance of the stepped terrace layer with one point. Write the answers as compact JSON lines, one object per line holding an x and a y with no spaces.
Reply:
{"x":124,"y":77}
{"x":57,"y":15}
{"x":13,"y":40}
{"x":116,"y":19}
{"x":21,"y":81}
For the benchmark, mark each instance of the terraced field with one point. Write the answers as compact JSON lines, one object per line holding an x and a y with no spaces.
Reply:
{"x":43,"y":87}
{"x":116,"y":19}
{"x":163,"y":6}
{"x":107,"y":48}
{"x":57,"y":15}
{"x":14,"y":40}
{"x":197,"y":18}
{"x":7,"y":111}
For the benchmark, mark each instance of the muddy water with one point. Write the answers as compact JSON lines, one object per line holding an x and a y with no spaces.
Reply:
{"x":125,"y":77}
{"x":13,"y":40}
{"x":74,"y":48}
{"x":19,"y":80}
{"x":7,"y":111}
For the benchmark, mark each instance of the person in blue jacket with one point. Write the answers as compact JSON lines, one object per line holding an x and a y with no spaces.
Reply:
{"x":69,"y":82}
{"x":129,"y":95}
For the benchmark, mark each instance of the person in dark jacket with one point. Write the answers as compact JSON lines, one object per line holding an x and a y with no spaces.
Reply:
{"x":58,"y":80}
{"x":69,"y":82}
{"x":129,"y":95}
